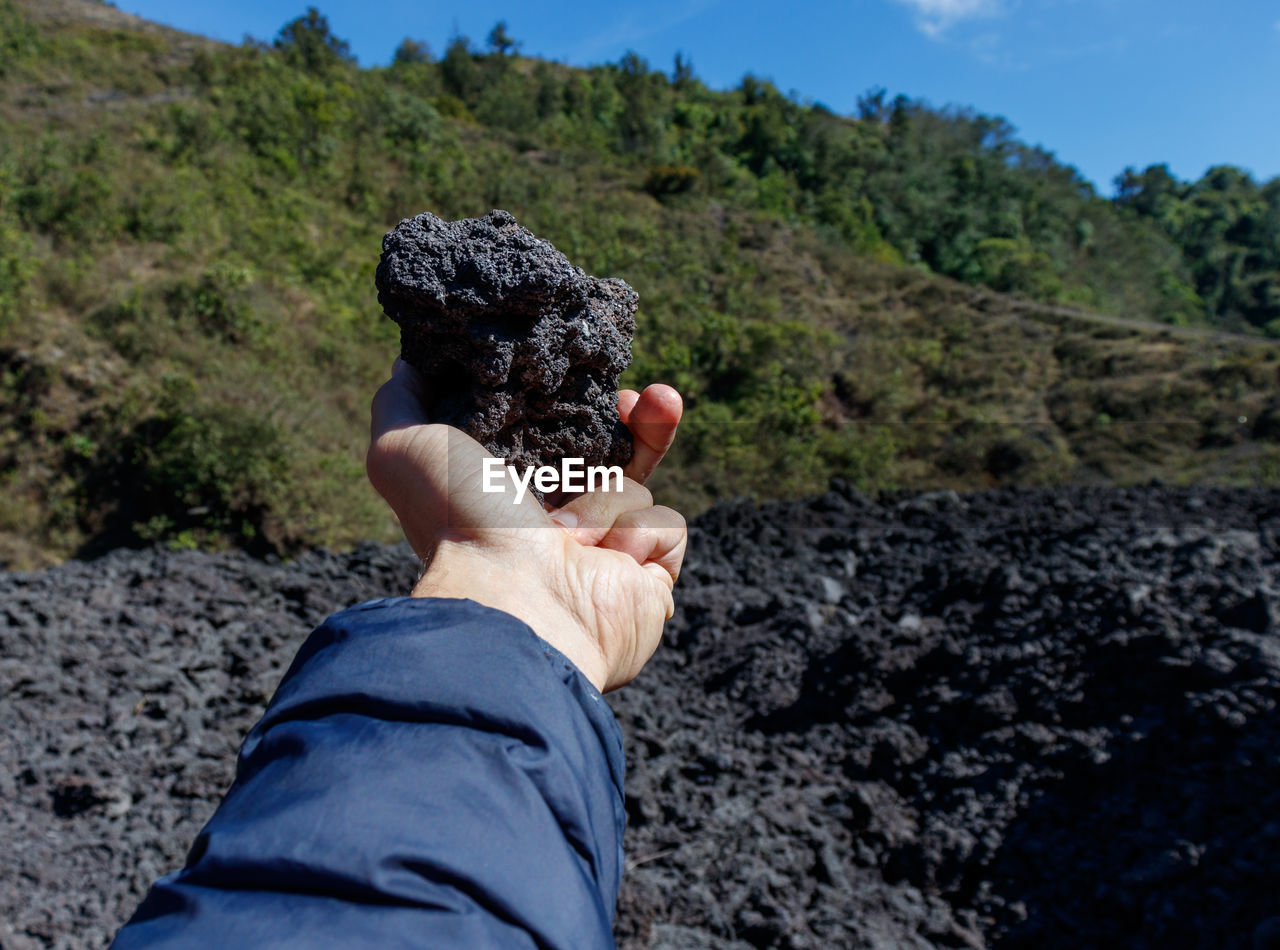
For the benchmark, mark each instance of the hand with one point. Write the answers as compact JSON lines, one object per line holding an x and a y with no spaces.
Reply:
{"x":593,"y":578}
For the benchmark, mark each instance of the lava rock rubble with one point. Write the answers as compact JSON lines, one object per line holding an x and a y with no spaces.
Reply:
{"x":1022,"y":718}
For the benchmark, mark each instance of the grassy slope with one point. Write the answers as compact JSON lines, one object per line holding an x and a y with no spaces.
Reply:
{"x":193,"y":336}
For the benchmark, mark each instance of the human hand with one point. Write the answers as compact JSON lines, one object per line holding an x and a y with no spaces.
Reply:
{"x":593,"y":578}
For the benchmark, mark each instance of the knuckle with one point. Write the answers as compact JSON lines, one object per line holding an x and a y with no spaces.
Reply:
{"x":641,"y":493}
{"x":672,"y":518}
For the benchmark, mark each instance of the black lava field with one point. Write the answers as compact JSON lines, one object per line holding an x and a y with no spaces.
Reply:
{"x":1019,"y":718}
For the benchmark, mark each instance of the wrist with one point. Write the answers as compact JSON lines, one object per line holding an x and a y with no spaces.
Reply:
{"x":461,"y":570}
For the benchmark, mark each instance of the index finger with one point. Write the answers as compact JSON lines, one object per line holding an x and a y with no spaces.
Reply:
{"x":652,"y":416}
{"x":654,"y":537}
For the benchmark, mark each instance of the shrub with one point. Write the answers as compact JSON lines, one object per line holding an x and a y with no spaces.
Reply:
{"x":665,"y":180}
{"x":410,"y":120}
{"x":1015,"y":266}
{"x":16,"y":266}
{"x":214,"y":470}
{"x":217,"y":303}
{"x":19,"y":38}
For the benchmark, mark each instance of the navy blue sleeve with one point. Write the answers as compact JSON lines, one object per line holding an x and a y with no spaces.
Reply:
{"x":430,"y":773}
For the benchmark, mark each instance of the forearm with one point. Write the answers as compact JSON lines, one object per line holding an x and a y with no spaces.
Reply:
{"x":429,"y":773}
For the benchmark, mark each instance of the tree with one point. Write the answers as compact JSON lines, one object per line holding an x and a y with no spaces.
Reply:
{"x":640,"y":124}
{"x":767,"y":127}
{"x":411,"y":53}
{"x":871,"y":105}
{"x":682,"y":73}
{"x":549,"y":94}
{"x":308,"y":43}
{"x":500,"y":40}
{"x":458,"y":69}
{"x":1154,"y":194}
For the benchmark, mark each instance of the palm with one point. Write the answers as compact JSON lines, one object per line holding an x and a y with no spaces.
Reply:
{"x":622,"y":604}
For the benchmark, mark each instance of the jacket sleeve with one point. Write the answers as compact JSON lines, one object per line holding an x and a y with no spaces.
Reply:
{"x":430,"y":773}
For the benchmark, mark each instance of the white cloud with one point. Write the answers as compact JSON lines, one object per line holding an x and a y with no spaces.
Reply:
{"x":935,"y":17}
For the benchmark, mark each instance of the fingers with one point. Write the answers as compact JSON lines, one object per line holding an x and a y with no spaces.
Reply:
{"x":589,"y":517}
{"x":655,"y":537}
{"x":652,"y":417}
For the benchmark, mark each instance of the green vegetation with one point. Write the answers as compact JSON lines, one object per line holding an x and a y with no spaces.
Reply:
{"x":189,"y":335}
{"x":1228,"y":228}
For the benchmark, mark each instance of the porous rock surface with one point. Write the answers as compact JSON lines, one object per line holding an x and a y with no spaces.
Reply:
{"x":1016,"y":719}
{"x":519,"y":348}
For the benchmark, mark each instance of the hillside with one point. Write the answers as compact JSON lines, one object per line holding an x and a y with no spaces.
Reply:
{"x":189,"y":336}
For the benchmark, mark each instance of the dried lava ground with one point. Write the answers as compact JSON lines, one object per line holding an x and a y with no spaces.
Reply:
{"x":1017,"y":718}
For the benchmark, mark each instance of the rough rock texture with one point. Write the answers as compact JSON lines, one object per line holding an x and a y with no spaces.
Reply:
{"x":520,"y":349}
{"x":1019,"y":719}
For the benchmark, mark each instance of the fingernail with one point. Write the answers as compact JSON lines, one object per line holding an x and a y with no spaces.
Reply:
{"x":565,"y":519}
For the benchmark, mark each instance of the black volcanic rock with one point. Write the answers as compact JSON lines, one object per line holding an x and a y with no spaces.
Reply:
{"x":1042,"y":719}
{"x":519,"y":348}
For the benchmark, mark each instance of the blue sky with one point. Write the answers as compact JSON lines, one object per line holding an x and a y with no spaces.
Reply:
{"x":1101,"y":83}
